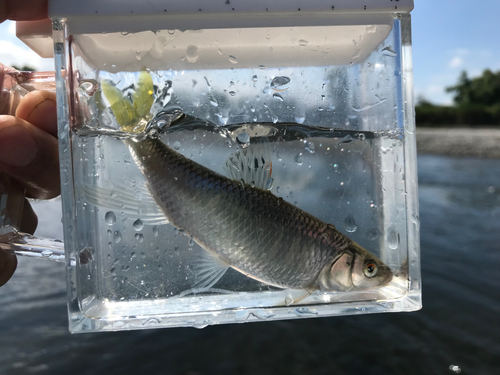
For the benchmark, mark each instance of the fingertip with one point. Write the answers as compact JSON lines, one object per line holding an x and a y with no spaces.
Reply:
{"x":30,"y":155}
{"x":39,"y":108}
{"x":18,"y":147}
{"x":29,"y":220}
{"x":8,"y":265}
{"x":23,"y":10}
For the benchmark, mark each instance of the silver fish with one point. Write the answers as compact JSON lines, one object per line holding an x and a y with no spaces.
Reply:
{"x":251,"y":230}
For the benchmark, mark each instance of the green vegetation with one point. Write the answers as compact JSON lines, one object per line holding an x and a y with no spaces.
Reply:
{"x":476,"y":102}
{"x":25,"y":68}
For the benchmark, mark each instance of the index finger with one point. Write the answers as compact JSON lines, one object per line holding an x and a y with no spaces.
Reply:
{"x":26,"y":10}
{"x":39,"y":108}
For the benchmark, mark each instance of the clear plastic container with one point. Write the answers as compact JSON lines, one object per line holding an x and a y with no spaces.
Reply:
{"x":328,"y":102}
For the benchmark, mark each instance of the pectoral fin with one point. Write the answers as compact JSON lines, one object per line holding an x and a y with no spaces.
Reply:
{"x":137,"y":203}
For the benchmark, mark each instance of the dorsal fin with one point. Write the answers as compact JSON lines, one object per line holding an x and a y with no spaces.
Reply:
{"x":252,"y":164}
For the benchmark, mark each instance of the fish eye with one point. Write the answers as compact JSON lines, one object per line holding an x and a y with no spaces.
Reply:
{"x":370,"y":269}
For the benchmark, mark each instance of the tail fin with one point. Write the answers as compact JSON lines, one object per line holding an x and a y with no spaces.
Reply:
{"x":129,"y":113}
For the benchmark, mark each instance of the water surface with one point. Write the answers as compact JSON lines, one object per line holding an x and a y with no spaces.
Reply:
{"x":459,"y":324}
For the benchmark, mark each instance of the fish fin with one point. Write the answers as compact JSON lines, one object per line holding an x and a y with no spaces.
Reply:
{"x":142,"y":98}
{"x":252,"y":164}
{"x":120,"y":198}
{"x":122,"y":108}
{"x":307,"y":294}
{"x":208,"y":270}
{"x":129,"y":113}
{"x":295,"y":296}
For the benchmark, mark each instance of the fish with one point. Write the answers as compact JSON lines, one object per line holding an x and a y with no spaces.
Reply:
{"x":242,"y":225}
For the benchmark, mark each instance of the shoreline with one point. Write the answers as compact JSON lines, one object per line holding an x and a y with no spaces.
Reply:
{"x":461,"y":142}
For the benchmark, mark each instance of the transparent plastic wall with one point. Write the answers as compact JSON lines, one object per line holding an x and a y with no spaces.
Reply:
{"x":341,"y":132}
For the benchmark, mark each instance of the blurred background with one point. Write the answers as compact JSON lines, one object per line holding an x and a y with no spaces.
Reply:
{"x":457,"y":89}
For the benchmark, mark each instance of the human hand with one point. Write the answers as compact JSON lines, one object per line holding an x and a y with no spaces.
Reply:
{"x":28,"y":144}
{"x":29,"y":154}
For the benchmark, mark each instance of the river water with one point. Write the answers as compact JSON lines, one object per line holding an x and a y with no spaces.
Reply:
{"x":457,"y":331}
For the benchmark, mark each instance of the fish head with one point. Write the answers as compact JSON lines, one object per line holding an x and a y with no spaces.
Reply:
{"x":354,"y":269}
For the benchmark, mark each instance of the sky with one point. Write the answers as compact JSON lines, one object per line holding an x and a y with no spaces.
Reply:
{"x":449,"y":36}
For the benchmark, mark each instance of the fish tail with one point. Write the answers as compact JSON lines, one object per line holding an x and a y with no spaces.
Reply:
{"x":131,"y":115}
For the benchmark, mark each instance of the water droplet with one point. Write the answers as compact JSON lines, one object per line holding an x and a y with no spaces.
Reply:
{"x":192,"y":53}
{"x":299,"y":159}
{"x":275,"y":119}
{"x":88,"y":87}
{"x":171,"y":32}
{"x":346,"y":139}
{"x":213,"y":101}
{"x":138,"y":55}
{"x":388,"y":51}
{"x":232,"y":93}
{"x":269,"y":183}
{"x":138,"y":225}
{"x":156,"y":231}
{"x":310,"y":147}
{"x":241,"y":315}
{"x":110,"y":217}
{"x":392,"y":238}
{"x":303,"y":42}
{"x":262,"y":67}
{"x":232,"y":59}
{"x":456,"y":369}
{"x":416,"y":220}
{"x":139,"y":237}
{"x":304,"y":311}
{"x":373,"y":234}
{"x":278,"y":96}
{"x":280,"y":83}
{"x":177,"y":145}
{"x":243,"y":139}
{"x":254,"y":78}
{"x":350,"y":224}
{"x":124,"y":33}
{"x":117,"y":237}
{"x":151,"y":322}
{"x":361,"y":136}
{"x":300,"y":119}
{"x":153,"y":133}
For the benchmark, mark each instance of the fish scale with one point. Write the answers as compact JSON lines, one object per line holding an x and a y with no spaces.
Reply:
{"x":247,"y":228}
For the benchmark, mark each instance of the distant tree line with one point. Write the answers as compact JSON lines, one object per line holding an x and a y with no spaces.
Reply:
{"x":476,"y":102}
{"x":25,"y":68}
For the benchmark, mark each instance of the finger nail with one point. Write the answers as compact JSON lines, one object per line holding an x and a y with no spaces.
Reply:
{"x":17,"y":146}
